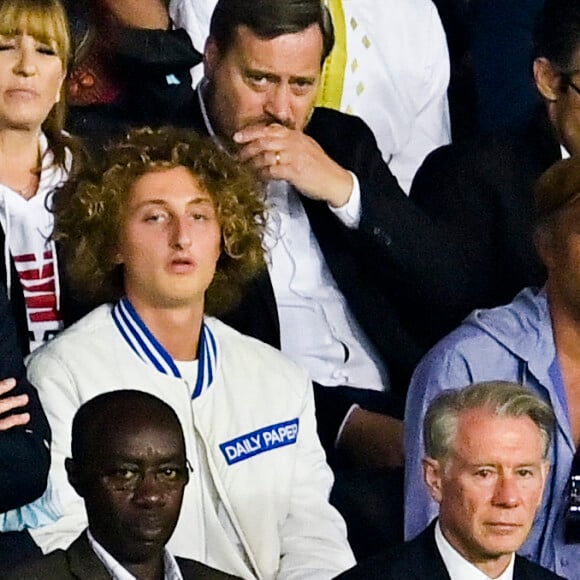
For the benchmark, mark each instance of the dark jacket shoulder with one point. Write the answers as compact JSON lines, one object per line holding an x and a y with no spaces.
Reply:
{"x":418,"y":559}
{"x":192,"y":570}
{"x":526,"y":570}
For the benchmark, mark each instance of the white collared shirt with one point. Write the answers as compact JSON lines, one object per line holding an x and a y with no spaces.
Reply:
{"x":458,"y":567}
{"x":317,"y":329}
{"x":119,"y":572}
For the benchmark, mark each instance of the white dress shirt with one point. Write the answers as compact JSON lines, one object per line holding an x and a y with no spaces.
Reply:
{"x":317,"y":329}
{"x":458,"y":567}
{"x":119,"y":572}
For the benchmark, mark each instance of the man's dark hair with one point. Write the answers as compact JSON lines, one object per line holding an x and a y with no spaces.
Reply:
{"x":106,"y":409}
{"x":557,"y":33}
{"x":268,"y":19}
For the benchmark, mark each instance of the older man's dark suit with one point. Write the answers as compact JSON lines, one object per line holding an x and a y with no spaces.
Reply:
{"x":79,"y":562}
{"x":392,"y":270}
{"x":420,"y":559}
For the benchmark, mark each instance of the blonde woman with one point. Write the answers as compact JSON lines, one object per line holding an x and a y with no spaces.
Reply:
{"x":35,"y":157}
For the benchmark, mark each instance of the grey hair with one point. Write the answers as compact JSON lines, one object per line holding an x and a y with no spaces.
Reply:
{"x":501,"y":398}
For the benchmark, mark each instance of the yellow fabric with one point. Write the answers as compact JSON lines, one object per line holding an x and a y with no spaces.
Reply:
{"x":332,"y":81}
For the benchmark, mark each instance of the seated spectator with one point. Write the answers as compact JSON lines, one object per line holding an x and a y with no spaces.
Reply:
{"x":129,"y":466}
{"x":532,"y":341}
{"x":24,"y":441}
{"x":101,"y":107}
{"x":166,"y":218}
{"x":35,"y":158}
{"x":501,"y":34}
{"x":485,"y":465}
{"x":389,"y":66}
{"x":484,"y":189}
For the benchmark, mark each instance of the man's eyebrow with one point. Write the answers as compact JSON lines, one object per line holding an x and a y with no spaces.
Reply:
{"x":251,"y":71}
{"x":200,"y":200}
{"x":302,"y":78}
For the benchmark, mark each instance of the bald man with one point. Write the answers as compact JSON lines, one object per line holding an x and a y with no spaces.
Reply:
{"x":129,"y":465}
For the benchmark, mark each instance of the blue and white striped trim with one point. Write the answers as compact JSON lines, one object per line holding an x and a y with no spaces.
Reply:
{"x":152,"y":353}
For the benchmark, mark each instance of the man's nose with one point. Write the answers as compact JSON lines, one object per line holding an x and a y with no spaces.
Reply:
{"x":181,"y":232}
{"x":279,"y":103}
{"x":149,"y":491}
{"x":507,"y":492}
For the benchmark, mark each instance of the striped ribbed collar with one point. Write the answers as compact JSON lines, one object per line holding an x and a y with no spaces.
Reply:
{"x":152,"y":353}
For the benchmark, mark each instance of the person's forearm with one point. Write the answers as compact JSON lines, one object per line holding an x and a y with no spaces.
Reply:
{"x":151,"y":14}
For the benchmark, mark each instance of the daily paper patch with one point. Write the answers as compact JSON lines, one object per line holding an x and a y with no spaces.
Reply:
{"x":256,"y":442}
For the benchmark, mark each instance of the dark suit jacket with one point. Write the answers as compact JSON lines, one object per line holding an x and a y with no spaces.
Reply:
{"x":484,"y":191}
{"x":79,"y":562}
{"x":420,"y":559}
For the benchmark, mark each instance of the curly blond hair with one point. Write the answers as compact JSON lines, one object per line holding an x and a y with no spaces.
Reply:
{"x":91,"y":208}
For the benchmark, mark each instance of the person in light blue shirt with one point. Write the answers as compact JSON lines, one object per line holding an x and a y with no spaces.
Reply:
{"x":532,"y":341}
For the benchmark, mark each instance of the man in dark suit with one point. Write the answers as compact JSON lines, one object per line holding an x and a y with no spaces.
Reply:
{"x":484,"y":189}
{"x":129,"y":465}
{"x":486,"y":466}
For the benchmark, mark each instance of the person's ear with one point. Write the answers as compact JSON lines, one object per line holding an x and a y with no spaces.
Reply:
{"x":61,"y":89}
{"x":546,"y":466}
{"x":211,"y":57}
{"x":117,"y":257}
{"x":547,"y":79}
{"x":74,"y":476}
{"x":433,"y":475}
{"x":544,"y":243}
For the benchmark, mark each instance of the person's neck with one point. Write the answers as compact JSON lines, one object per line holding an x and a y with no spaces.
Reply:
{"x":491,"y":567}
{"x":19,"y":160}
{"x":153,"y":569}
{"x":210,"y":116}
{"x":176,"y":328}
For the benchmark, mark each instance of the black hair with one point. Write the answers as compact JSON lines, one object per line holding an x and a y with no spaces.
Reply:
{"x":107,"y":408}
{"x":269,"y":19}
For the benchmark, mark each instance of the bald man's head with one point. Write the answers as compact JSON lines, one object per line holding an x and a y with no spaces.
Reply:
{"x":129,"y":464}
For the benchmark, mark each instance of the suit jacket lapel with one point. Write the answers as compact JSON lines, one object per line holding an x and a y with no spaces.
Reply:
{"x":429,"y":554}
{"x":83,"y":562}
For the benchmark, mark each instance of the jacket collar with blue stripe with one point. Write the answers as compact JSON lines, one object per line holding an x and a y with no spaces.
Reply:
{"x":144,"y":344}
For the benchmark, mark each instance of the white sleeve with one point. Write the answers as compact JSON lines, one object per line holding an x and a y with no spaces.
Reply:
{"x":58,"y":395}
{"x":194,"y":16}
{"x":431,"y":126}
{"x":349,"y":213}
{"x":313,"y":537}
